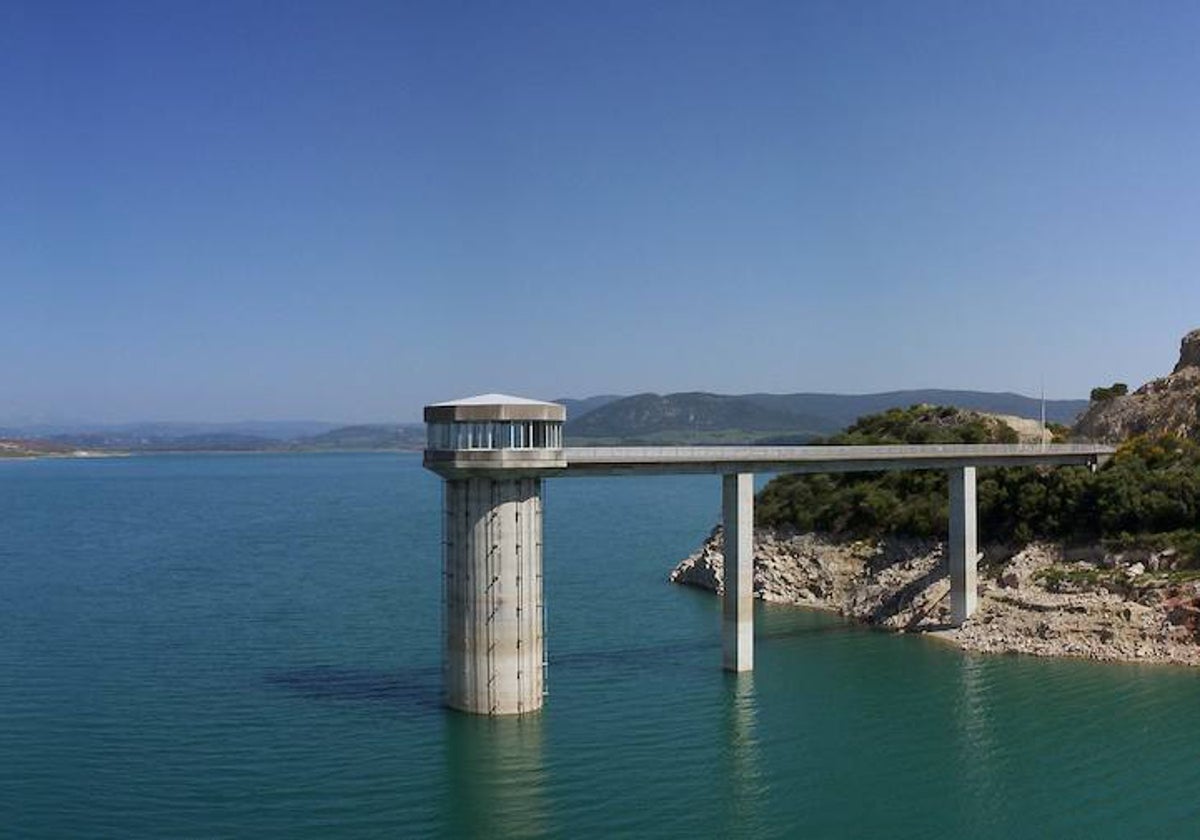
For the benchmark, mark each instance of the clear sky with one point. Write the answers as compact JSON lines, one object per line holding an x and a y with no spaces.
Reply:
{"x":342,"y":210}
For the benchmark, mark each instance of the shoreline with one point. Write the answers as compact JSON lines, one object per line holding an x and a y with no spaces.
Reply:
{"x":62,"y":456}
{"x":1040,"y":600}
{"x":96,"y":454}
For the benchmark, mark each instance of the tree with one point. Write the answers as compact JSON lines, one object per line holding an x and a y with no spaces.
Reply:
{"x":1117,"y":389}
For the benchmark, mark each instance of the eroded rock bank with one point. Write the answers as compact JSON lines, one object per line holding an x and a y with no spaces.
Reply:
{"x":1042,"y":600}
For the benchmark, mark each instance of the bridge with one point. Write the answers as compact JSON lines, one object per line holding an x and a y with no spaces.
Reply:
{"x":494,"y":451}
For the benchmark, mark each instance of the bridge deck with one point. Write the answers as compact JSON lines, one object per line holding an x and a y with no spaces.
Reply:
{"x":661,"y":460}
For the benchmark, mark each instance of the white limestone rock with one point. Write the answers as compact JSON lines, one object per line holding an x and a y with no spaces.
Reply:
{"x":1040,"y":601}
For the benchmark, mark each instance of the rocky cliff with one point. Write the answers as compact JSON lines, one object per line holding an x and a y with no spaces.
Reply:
{"x":1170,"y":405}
{"x":1041,"y":600}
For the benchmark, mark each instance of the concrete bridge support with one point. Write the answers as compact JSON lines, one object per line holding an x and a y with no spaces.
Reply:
{"x":737,"y":627}
{"x":963,"y":548}
{"x":493,"y":613}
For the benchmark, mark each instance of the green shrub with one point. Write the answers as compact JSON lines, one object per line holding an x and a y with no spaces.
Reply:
{"x":1150,"y":488}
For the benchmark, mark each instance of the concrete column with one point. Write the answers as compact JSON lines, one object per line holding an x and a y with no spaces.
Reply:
{"x":737,"y":627}
{"x":963,"y":547}
{"x":494,"y":637}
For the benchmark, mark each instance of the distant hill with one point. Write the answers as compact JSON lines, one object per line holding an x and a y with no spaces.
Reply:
{"x":24,"y":448}
{"x":776,"y":418}
{"x":406,"y":436}
{"x":678,"y":416}
{"x":219,"y":442}
{"x":212,"y":442}
{"x":158,"y":438}
{"x":171,"y":430}
{"x":578,"y":408}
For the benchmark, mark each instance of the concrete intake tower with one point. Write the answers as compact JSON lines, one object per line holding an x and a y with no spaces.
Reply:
{"x":493,"y":451}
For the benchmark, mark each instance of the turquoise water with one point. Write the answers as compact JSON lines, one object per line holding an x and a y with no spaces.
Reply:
{"x":210,"y":646}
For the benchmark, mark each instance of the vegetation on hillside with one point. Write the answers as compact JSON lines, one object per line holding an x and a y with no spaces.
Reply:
{"x":873,"y":504}
{"x":925,"y":424}
{"x":1148,"y":494}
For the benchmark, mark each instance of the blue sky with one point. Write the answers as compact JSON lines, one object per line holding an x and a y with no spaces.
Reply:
{"x":220,"y":211}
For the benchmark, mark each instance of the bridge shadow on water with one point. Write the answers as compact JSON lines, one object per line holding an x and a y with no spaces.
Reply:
{"x":693,"y":653}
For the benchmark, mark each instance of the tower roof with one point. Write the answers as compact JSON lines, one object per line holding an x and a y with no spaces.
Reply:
{"x":493,"y":407}
{"x":492,"y":399}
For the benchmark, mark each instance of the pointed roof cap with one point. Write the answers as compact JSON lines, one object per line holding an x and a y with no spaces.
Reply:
{"x":493,"y":407}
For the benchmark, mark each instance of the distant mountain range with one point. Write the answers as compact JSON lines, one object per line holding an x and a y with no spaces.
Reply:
{"x":693,"y":417}
{"x":698,"y":417}
{"x":182,"y":437}
{"x":405,"y":436}
{"x":270,"y":429}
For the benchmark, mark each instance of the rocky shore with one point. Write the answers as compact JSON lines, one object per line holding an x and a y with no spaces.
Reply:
{"x":1043,"y":599}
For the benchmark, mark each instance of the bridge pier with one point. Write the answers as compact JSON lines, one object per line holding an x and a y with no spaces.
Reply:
{"x":962,"y":548}
{"x":737,"y":624}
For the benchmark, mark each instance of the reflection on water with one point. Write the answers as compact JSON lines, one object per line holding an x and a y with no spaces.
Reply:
{"x":747,"y":790}
{"x":497,"y":777}
{"x":975,"y":738}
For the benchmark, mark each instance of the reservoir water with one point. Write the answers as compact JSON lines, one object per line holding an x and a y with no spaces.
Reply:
{"x":248,"y":646}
